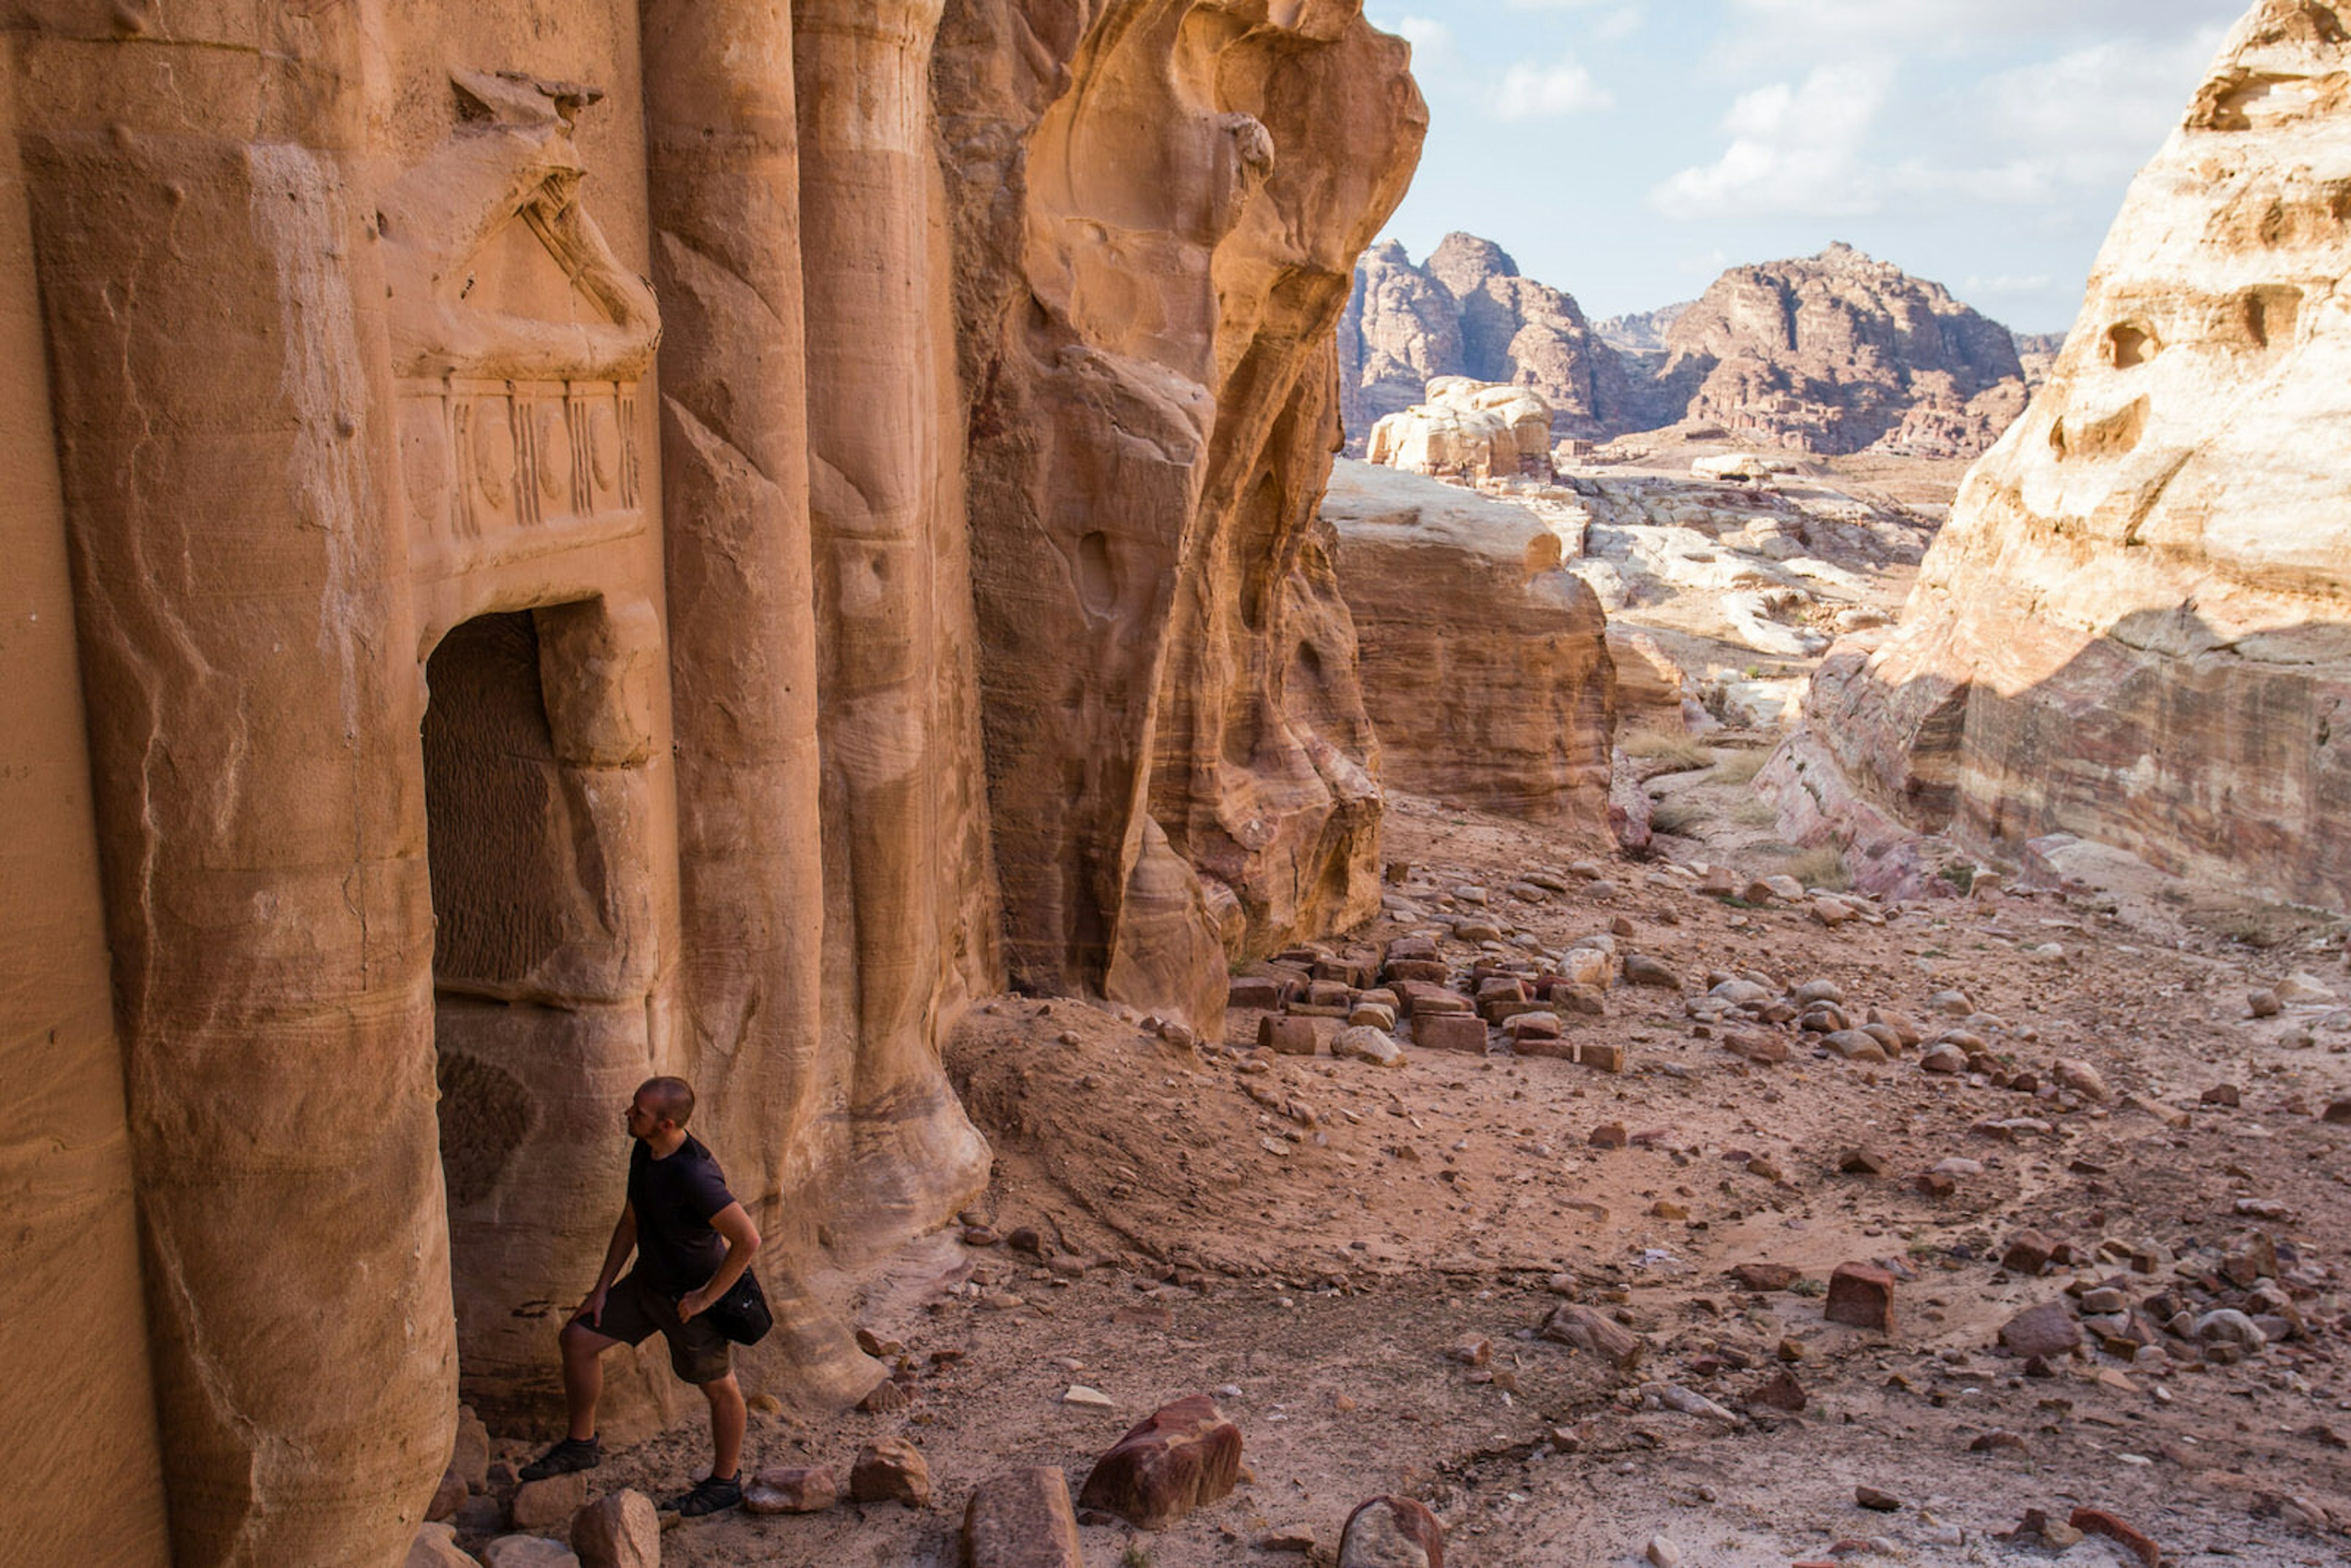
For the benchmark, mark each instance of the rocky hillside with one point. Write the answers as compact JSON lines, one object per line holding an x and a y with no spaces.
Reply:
{"x":1832,"y":354}
{"x":1467,"y":312}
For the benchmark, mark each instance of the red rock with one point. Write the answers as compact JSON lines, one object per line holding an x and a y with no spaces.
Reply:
{"x":1603,"y":1336}
{"x":1766,"y":1276}
{"x":1861,"y":1295}
{"x":1185,"y":1455}
{"x":539,"y":1507}
{"x":2028,"y":1252}
{"x":1449,"y":1031}
{"x":1764,"y":1049}
{"x":794,"y":1488}
{"x":2098,"y":1522}
{"x":1022,"y":1519}
{"x":2337,"y":1113}
{"x":1602,"y":1055}
{"x":1255,"y":991}
{"x":1862,"y":1161}
{"x":1608,"y":1136}
{"x":1286,"y":1035}
{"x":890,"y":1471}
{"x":1392,"y":1533}
{"x":619,"y":1530}
{"x":2048,"y":1329}
{"x":1781,"y":1391}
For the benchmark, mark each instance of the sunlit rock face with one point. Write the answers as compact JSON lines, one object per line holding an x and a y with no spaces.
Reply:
{"x":2133,"y":629}
{"x":1485,"y":666}
{"x":1836,"y":352}
{"x":573,"y":542}
{"x":1469,"y":431}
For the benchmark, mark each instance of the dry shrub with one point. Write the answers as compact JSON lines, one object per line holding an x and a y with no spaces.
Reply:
{"x":1739,"y":766}
{"x":1822,"y":867}
{"x":1687,"y":753}
{"x":1678,"y":817}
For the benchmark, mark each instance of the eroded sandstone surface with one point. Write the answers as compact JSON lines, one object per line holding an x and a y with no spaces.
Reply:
{"x":2131,"y":631}
{"x":1485,"y":666}
{"x":614,"y":538}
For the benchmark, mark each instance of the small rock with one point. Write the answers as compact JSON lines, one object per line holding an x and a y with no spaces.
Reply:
{"x":2338,"y":1113}
{"x":2264,"y":1003}
{"x":1392,"y":1533}
{"x":1086,"y":1398}
{"x":1861,"y":1295}
{"x":1999,"y":1442}
{"x":2227,"y":1326}
{"x":2227,"y":1094}
{"x":1640,"y":970}
{"x":890,"y":1471}
{"x":2048,"y":1329}
{"x":2098,"y":1522}
{"x":1586,"y":1330}
{"x":619,"y":1530}
{"x":1366,"y":1042}
{"x":451,"y":1492}
{"x":1862,"y":1161}
{"x":1779,"y":1392}
{"x":1477,"y":1350}
{"x":1286,"y":1035}
{"x":1766,"y":1276}
{"x":435,"y":1546}
{"x":1663,"y":1553}
{"x":528,"y":1551}
{"x":884,"y":1396}
{"x":2081,"y":1078}
{"x":795,"y":1488}
{"x":541,"y":1505}
{"x":1022,"y":1519}
{"x":1608,"y":1136}
{"x":2028,"y":1253}
{"x":1877,"y":1501}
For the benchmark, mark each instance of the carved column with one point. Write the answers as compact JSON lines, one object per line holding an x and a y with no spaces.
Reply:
{"x":207,"y":256}
{"x":79,"y":1443}
{"x":725,"y":181}
{"x":910,"y":911}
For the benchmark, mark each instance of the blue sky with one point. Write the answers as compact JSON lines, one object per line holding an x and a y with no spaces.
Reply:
{"x":1627,"y":150}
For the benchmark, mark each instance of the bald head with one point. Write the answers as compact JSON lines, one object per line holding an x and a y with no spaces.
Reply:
{"x":671,"y":1099}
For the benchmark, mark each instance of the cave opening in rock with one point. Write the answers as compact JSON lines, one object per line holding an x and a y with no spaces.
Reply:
{"x":538,"y":1019}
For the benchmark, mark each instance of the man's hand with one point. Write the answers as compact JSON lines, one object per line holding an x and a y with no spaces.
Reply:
{"x":693,"y":1303}
{"x":592,"y":1310}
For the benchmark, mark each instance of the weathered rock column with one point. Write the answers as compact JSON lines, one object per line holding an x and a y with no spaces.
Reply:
{"x":79,"y":1446}
{"x":909,"y":905}
{"x":206,"y":259}
{"x":724,"y":182}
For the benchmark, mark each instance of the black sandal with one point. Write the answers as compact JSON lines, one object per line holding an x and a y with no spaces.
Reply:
{"x":710,"y":1495}
{"x":569,"y":1455}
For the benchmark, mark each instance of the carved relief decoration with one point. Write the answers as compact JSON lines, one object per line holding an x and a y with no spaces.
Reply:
{"x":518,"y":338}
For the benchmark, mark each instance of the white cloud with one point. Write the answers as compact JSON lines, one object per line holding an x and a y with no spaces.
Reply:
{"x":1538,"y":92}
{"x":1996,"y":288}
{"x":1795,"y":150}
{"x":1839,"y":27}
{"x":1426,"y":35}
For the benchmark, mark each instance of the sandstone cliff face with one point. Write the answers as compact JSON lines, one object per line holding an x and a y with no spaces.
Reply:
{"x":1838,"y":352}
{"x":506,"y":676}
{"x":1158,"y":208}
{"x":2132,"y":629}
{"x":1485,"y":666}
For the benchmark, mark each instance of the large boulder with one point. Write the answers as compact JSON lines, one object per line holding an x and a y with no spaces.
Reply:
{"x":1185,"y":1455}
{"x":1484,"y":665}
{"x":1467,"y":429}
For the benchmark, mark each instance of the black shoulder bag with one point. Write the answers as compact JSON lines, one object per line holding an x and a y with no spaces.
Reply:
{"x":742,"y":1314}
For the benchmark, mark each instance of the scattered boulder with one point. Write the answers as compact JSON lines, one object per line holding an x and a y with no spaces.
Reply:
{"x":2081,"y":1078}
{"x":528,"y":1551}
{"x":543,"y":1505}
{"x":1640,"y":970}
{"x":2048,"y":1329}
{"x":435,"y":1546}
{"x":1861,"y":1295}
{"x":1392,"y":1533}
{"x":1586,"y":1330}
{"x":619,"y":1530}
{"x":891,"y":1470}
{"x":1367,"y":1042}
{"x":802,"y":1488}
{"x":2098,"y":1522}
{"x":1185,"y":1454}
{"x":1022,"y":1519}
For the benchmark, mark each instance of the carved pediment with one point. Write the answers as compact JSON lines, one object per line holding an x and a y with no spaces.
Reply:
{"x":496,"y":268}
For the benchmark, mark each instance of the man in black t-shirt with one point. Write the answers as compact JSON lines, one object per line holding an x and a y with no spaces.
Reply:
{"x":692,"y":1241}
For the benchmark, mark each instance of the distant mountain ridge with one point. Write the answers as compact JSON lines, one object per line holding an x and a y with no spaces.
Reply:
{"x":1832,"y":353}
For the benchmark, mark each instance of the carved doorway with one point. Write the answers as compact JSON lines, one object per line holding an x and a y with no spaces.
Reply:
{"x":541,"y":970}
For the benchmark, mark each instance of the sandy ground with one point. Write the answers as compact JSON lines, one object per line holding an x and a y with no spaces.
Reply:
{"x":1310,"y":1239}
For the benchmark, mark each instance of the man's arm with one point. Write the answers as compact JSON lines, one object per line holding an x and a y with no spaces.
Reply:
{"x":734,"y":1223}
{"x":616,"y":1253}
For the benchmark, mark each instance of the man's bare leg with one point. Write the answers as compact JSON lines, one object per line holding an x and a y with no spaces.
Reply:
{"x":583,"y":1376}
{"x":727,"y":1421}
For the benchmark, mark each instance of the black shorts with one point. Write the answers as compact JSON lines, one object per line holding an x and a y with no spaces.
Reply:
{"x":633,"y":1310}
